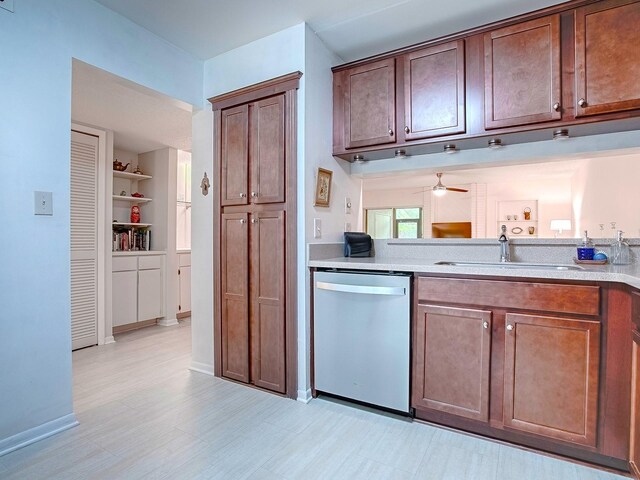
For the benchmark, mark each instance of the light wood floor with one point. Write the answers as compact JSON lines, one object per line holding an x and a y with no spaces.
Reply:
{"x":144,"y":415}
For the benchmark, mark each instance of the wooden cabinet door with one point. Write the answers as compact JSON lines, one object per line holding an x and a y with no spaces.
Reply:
{"x":370,"y":104}
{"x":235,"y":296}
{"x":150,"y":298}
{"x":634,"y":449}
{"x":268,"y":365}
{"x":522,"y":73}
{"x":452,"y":361}
{"x":551,"y":377}
{"x":234,"y":155}
{"x":125,"y":297}
{"x":434,"y":91}
{"x":607,"y":57}
{"x":267,"y":150}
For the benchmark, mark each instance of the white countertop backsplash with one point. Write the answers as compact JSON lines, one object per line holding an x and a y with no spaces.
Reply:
{"x":421,"y":256}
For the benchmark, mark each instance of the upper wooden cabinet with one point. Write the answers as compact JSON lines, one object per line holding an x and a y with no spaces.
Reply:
{"x":451,"y":361}
{"x":634,"y":443}
{"x":551,"y":376}
{"x":434,"y":80}
{"x":234,"y":146}
{"x":252,"y":144}
{"x":522,"y":73}
{"x":607,"y":57}
{"x":370,"y":104}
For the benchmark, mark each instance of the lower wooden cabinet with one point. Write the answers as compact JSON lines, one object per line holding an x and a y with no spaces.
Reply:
{"x":452,"y":361}
{"x":634,"y":448}
{"x":551,"y":375}
{"x":253,"y":310}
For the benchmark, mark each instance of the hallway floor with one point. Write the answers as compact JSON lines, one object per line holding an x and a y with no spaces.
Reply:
{"x":144,"y":415}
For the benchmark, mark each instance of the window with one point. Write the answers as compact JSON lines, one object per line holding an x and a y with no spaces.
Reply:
{"x":183,"y":213}
{"x":394,"y":222}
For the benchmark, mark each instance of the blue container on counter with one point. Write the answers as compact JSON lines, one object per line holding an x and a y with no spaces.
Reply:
{"x":586,"y":253}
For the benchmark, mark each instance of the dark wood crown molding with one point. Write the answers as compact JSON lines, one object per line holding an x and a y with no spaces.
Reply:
{"x":277,"y":85}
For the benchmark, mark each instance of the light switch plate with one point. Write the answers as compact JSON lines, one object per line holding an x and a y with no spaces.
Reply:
{"x":317,"y":228}
{"x":7,"y":5}
{"x":42,"y":203}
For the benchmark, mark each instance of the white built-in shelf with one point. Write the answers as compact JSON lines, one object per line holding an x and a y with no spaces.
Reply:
{"x":131,"y":176}
{"x":517,"y":221}
{"x":127,"y":224}
{"x":132,"y":199}
{"x":130,"y":253}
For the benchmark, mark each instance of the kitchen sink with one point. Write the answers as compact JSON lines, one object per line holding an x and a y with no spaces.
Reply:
{"x":512,"y":265}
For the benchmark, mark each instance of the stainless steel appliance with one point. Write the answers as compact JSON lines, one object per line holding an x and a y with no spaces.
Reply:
{"x":361,"y":337}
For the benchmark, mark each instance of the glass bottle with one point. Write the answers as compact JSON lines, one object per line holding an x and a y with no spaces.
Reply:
{"x":620,"y":252}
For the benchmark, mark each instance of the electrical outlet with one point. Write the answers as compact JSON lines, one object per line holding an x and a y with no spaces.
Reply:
{"x":347,"y":205}
{"x":347,"y":226}
{"x":7,"y":5}
{"x":317,"y":228}
{"x":42,"y":203}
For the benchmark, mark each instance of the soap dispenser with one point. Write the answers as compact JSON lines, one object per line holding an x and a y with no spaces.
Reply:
{"x":586,"y":250}
{"x":620,"y":252}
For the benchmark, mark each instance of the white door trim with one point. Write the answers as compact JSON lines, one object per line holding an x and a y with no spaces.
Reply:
{"x":105,"y":188}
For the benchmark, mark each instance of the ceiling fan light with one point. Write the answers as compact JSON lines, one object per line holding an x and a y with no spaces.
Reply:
{"x":439,"y":191}
{"x":450,"y":148}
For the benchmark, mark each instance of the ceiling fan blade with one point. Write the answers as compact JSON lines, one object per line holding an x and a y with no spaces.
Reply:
{"x":453,"y":189}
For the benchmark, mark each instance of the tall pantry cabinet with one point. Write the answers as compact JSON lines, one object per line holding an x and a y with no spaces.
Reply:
{"x":254,"y":198}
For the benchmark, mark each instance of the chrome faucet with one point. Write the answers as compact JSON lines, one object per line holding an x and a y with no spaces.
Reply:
{"x":505,"y":254}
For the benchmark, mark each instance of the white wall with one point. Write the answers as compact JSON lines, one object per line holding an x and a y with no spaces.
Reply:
{"x":606,"y":190}
{"x":35,"y":101}
{"x":294,"y":49}
{"x":269,"y":57}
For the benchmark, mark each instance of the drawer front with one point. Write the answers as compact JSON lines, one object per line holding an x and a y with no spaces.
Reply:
{"x":569,"y":299}
{"x":151,"y":262}
{"x":184,"y":259}
{"x":124,"y":264}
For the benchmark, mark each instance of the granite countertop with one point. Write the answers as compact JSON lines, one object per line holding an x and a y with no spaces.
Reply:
{"x":628,"y":274}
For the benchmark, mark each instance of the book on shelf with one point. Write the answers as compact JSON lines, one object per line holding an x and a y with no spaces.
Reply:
{"x":132,"y":239}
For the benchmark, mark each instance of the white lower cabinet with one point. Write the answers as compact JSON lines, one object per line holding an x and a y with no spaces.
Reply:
{"x":138,"y":289}
{"x":184,"y":283}
{"x":150,"y":299}
{"x":125,"y":298}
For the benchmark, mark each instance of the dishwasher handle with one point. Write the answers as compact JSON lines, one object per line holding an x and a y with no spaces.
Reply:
{"x":363,"y":289}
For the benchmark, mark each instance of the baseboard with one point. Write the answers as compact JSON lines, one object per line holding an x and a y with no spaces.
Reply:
{"x":202,"y":368}
{"x":168,"y":322}
{"x":109,"y":340}
{"x":304,"y":396}
{"x":36,"y":434}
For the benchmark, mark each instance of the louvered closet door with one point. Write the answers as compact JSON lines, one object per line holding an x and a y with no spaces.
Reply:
{"x":84,"y":240}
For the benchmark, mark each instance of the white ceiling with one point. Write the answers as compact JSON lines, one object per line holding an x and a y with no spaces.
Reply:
{"x":351,"y":28}
{"x":142,"y":119}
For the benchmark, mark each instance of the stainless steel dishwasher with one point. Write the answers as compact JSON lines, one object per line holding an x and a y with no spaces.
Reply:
{"x":361,"y":330}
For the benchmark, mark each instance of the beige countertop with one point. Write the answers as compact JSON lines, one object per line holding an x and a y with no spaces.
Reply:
{"x":627,"y":274}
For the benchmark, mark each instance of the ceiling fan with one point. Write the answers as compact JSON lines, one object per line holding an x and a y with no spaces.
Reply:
{"x":439,"y":189}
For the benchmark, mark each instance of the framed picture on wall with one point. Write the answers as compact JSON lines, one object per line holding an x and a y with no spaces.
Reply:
{"x":323,"y":188}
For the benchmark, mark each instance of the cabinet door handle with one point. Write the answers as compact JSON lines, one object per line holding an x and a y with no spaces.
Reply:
{"x":556,"y":106}
{"x":242,"y":221}
{"x":406,"y":130}
{"x":390,"y":132}
{"x":254,"y":221}
{"x":509,"y":327}
{"x":254,"y":194}
{"x":485,"y":324}
{"x":582,"y":102}
{"x":243,"y":195}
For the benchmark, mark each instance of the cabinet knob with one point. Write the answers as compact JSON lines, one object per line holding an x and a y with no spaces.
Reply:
{"x":582,"y":102}
{"x":406,"y":130}
{"x":254,"y":194}
{"x":390,"y":132}
{"x":509,"y":327}
{"x":485,"y":324}
{"x":242,"y":221}
{"x":556,"y":106}
{"x":243,"y":195}
{"x":254,"y":221}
